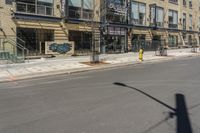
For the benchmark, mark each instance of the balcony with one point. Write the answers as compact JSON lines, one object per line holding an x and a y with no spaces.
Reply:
{"x":29,"y":8}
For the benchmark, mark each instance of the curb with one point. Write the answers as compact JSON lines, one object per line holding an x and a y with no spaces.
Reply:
{"x":87,"y":69}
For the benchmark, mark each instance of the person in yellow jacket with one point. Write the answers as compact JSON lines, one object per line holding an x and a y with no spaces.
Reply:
{"x":141,"y":51}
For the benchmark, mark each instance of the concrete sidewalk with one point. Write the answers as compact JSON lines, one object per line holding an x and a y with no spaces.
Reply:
{"x":45,"y":67}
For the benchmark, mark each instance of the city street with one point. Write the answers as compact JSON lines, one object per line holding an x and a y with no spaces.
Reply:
{"x":161,"y":97}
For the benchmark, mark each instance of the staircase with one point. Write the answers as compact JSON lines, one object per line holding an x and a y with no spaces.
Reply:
{"x":12,"y":51}
{"x":182,"y":39}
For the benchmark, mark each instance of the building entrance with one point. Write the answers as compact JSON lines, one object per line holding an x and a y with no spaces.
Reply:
{"x":82,"y":40}
{"x":35,"y":39}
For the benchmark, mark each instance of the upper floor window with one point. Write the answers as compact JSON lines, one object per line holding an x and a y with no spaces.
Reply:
{"x":190,"y":22}
{"x":184,"y":3}
{"x":81,"y":9}
{"x":190,"y":3}
{"x":9,"y":2}
{"x":199,"y":23}
{"x":116,"y":11}
{"x":42,"y":7}
{"x":118,"y":2}
{"x":158,"y":18}
{"x":174,"y":1}
{"x":184,"y":21}
{"x":173,"y":19}
{"x":138,"y":13}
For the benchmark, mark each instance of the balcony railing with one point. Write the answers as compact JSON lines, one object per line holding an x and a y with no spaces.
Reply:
{"x":34,"y":9}
{"x":158,"y":24}
{"x":173,"y":1}
{"x":87,"y":14}
{"x":138,"y":22}
{"x":173,"y":25}
{"x":80,"y":14}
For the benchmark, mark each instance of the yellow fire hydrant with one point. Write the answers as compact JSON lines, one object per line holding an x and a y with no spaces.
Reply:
{"x":141,"y":51}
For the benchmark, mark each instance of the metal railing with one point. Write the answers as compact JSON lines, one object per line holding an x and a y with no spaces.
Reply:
{"x":80,"y":14}
{"x":15,"y":51}
{"x":158,"y":24}
{"x":146,"y":45}
{"x":139,"y":21}
{"x":173,"y":25}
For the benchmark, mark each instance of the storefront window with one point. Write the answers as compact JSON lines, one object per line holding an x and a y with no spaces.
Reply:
{"x":115,"y":40}
{"x":173,"y":41}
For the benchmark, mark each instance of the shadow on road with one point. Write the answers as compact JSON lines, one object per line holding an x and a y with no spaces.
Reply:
{"x":183,"y":124}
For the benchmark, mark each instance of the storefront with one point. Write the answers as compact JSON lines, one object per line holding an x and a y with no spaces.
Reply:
{"x":82,"y":41}
{"x":114,"y":37}
{"x":35,"y":39}
{"x":115,"y":40}
{"x":173,"y":41}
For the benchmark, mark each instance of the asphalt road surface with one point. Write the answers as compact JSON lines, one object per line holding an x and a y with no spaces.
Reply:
{"x":148,"y":98}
